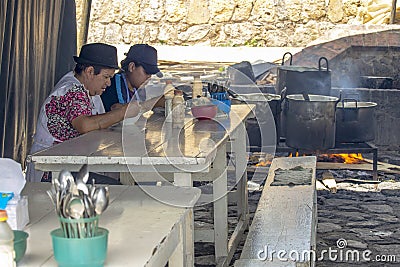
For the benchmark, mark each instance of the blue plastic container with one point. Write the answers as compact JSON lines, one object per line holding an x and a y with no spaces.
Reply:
{"x":222,"y":101}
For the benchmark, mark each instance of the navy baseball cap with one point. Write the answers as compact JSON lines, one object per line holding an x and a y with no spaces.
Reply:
{"x":146,"y":56}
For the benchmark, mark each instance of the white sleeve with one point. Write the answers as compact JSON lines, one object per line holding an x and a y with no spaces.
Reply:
{"x":98,"y":105}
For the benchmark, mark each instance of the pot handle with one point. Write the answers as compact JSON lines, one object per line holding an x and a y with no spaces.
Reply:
{"x":283,"y":58}
{"x":339,"y":99}
{"x":283,"y":93}
{"x":349,"y":100}
{"x":319,"y":63}
{"x":284,"y":103}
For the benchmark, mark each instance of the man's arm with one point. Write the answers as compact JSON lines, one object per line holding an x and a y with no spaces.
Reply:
{"x":84,"y":124}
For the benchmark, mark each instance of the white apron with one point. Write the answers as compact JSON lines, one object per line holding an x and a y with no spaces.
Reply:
{"x":42,"y":138}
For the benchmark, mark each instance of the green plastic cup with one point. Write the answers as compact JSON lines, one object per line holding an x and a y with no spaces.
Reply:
{"x":20,"y":240}
{"x":79,"y":252}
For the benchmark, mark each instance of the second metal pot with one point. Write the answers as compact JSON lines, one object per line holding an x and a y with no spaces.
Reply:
{"x":310,"y":124}
{"x":355,"y":121}
{"x":298,"y":79}
{"x":259,"y":128}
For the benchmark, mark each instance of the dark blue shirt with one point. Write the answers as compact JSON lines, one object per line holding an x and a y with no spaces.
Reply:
{"x":122,"y":95}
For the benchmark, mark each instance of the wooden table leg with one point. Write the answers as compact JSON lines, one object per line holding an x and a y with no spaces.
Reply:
{"x":220,"y":197}
{"x":240,"y":155}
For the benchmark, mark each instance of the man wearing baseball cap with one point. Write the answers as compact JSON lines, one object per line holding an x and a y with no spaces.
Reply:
{"x":74,"y":106}
{"x":138,"y":66}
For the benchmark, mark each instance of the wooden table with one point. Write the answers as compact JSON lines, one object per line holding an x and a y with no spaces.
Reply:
{"x":153,"y":150}
{"x":142,"y":230}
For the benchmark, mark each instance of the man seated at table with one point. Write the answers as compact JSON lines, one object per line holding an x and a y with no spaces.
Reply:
{"x":137,"y":68}
{"x":74,"y":106}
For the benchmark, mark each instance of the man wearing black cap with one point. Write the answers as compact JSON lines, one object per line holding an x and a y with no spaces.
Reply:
{"x":74,"y":106}
{"x":138,"y":66}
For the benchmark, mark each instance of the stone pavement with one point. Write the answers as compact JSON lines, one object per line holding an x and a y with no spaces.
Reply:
{"x":359,"y":218}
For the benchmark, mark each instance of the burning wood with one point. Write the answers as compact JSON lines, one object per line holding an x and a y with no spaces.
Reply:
{"x":260,"y":159}
{"x":342,"y":158}
{"x":263,"y":163}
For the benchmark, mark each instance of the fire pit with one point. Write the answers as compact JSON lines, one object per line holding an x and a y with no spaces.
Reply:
{"x":340,"y":148}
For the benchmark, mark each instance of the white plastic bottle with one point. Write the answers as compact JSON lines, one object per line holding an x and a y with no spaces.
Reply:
{"x":197,"y":87}
{"x":7,"y":253}
{"x":168,"y":95}
{"x":178,"y":110}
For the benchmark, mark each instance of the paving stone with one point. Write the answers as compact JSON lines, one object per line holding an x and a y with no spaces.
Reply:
{"x":364,"y":224}
{"x":356,"y":244}
{"x":388,"y":218}
{"x":353,"y":215}
{"x":378,"y":208}
{"x":328,"y":227}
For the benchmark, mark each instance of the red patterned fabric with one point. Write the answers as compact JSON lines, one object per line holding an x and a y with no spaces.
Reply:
{"x":62,"y":110}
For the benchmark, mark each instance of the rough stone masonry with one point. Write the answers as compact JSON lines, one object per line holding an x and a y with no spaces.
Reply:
{"x":267,"y":23}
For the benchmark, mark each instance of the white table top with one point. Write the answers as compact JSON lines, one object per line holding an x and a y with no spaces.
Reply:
{"x":138,"y":224}
{"x":159,"y":144}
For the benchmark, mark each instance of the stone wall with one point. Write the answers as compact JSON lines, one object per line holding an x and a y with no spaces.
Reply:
{"x":271,"y":23}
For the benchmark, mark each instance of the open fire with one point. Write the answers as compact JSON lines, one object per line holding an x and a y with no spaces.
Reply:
{"x":342,"y":158}
{"x":260,"y":160}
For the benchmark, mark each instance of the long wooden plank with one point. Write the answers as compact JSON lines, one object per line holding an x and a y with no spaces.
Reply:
{"x":285,"y":218}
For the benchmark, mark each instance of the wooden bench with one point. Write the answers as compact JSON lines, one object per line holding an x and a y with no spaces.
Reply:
{"x":285,"y":219}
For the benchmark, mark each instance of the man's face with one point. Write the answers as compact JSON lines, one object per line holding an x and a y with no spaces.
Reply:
{"x":138,"y":76}
{"x":98,"y":83}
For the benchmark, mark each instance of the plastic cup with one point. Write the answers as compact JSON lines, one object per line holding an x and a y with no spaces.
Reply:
{"x":79,"y":252}
{"x":20,"y":242}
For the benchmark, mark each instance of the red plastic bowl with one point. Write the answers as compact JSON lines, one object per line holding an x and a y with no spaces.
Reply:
{"x":204,"y":112}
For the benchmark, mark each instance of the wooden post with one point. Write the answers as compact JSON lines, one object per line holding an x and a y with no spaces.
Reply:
{"x":393,"y":12}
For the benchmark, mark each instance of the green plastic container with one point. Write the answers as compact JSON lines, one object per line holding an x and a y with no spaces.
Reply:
{"x":20,"y":240}
{"x":79,"y":252}
{"x":79,"y":228}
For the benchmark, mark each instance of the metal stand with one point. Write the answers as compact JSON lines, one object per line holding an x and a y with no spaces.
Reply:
{"x":342,"y":148}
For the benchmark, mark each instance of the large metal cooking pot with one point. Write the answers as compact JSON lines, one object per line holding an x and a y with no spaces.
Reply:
{"x":310,"y":123}
{"x":259,"y":128}
{"x":355,"y":121}
{"x":298,"y":80}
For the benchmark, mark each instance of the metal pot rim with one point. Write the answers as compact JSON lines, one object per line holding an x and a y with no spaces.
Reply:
{"x":260,"y":97}
{"x":298,"y":68}
{"x":313,"y":98}
{"x":352,"y":105}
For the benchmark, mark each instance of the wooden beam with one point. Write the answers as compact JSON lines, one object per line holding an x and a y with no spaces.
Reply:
{"x":393,"y":12}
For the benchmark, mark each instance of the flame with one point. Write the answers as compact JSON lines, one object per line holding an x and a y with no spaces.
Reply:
{"x":263,"y":163}
{"x":352,"y":158}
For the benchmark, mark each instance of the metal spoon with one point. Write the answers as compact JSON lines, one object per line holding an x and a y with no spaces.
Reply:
{"x":81,"y":186}
{"x":66,"y":180}
{"x":83,"y":173}
{"x":75,"y":210}
{"x":101,"y":199}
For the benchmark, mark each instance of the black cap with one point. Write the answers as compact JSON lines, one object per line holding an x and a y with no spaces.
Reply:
{"x":146,"y":56}
{"x":98,"y":54}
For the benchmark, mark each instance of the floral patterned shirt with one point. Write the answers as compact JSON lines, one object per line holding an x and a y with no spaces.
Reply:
{"x":62,"y":110}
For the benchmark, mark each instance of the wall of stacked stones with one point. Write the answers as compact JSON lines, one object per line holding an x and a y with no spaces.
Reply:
{"x":219,"y":22}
